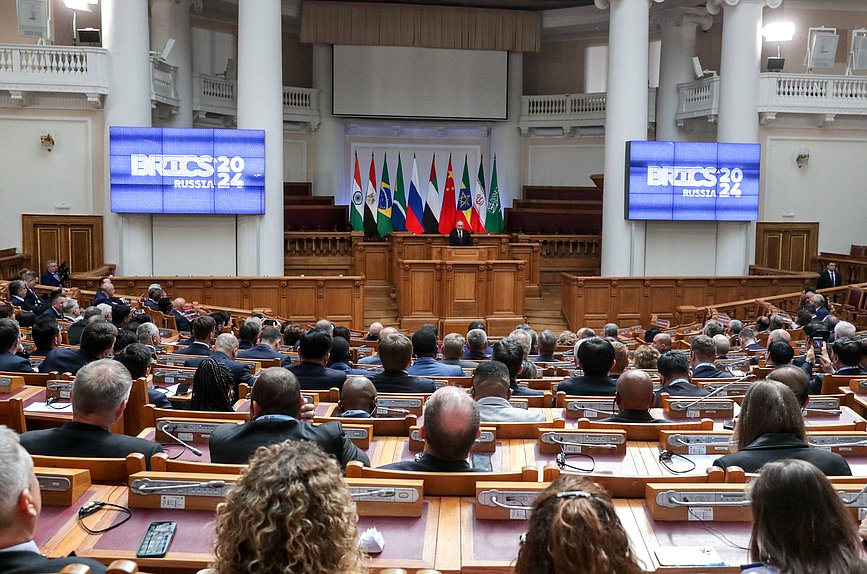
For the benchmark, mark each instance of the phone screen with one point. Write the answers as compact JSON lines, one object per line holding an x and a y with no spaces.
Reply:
{"x":482,"y":461}
{"x":817,"y":343}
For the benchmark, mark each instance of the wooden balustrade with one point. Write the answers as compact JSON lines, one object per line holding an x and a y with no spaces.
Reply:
{"x":851,"y":269}
{"x":11,"y":262}
{"x":627,"y":301}
{"x":316,"y":253}
{"x":575,"y":254}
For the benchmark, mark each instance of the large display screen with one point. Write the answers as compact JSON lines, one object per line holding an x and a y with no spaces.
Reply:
{"x":172,"y":170}
{"x":692,"y":181}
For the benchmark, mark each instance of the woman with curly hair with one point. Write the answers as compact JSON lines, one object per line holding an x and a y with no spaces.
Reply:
{"x":289,"y":513}
{"x":575,"y":530}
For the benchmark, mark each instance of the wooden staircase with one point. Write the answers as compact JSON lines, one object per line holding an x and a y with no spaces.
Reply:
{"x":544,"y":312}
{"x":379,"y":305}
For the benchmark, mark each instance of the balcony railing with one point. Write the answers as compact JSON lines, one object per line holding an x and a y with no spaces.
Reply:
{"x":26,"y":70}
{"x":164,"y":82}
{"x":698,"y":99}
{"x":570,"y":111}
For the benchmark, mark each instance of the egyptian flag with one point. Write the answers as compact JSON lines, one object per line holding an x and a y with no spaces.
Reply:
{"x":447,"y":215}
{"x":415,"y":204}
{"x":465,"y":201}
{"x":431,"y":218}
{"x":371,"y":203}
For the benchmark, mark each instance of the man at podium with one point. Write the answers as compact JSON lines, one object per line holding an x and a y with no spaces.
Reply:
{"x":460,"y":237}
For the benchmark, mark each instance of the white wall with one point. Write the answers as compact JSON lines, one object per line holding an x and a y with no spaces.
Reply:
{"x":680,"y":248}
{"x":195,"y":245}
{"x":551,"y":162}
{"x":212,"y":49}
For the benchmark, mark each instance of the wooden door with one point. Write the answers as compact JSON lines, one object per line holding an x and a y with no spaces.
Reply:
{"x":76,"y":239}
{"x":786,"y":245}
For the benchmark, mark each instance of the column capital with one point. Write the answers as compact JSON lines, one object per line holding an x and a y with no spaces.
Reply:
{"x":714,"y":6}
{"x":681,"y":16}
{"x":604,"y":4}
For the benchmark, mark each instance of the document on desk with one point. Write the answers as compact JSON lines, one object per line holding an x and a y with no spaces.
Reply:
{"x":39,"y":407}
{"x":688,"y":556}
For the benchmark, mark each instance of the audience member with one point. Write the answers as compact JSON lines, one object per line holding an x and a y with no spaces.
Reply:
{"x":339,"y":358}
{"x":17,"y":291}
{"x":97,"y":342}
{"x":702,"y":355}
{"x":794,"y":378}
{"x":119,"y":314}
{"x":154,"y":294}
{"x":395,"y":352}
{"x":212,"y":387}
{"x":148,"y":335}
{"x":674,"y":376}
{"x":248,"y":336}
{"x":595,"y":357}
{"x":373,"y":331}
{"x":650,"y":334}
{"x":645,"y":357}
{"x":779,"y":353}
{"x":225,"y":348}
{"x":181,"y":321}
{"x":453,"y":349}
{"x":137,"y":359}
{"x":46,"y":337}
{"x":584,"y":333}
{"x":357,"y":399}
{"x":713,"y":327}
{"x":55,"y":306}
{"x":723,"y":345}
{"x":311,"y":372}
{"x":610,"y":330}
{"x":492,"y":393}
{"x":566,"y":339}
{"x":325,"y":326}
{"x":73,"y":334}
{"x":662,"y":343}
{"x":10,"y":343}
{"x":477,"y":342}
{"x":124,"y":337}
{"x":547,"y":347}
{"x":424,"y":346}
{"x":528,"y":369}
{"x":634,"y":398}
{"x":342,"y":332}
{"x":844,"y":330}
{"x":204,"y":328}
{"x":747,"y":340}
{"x":32,"y":301}
{"x":376,"y":359}
{"x":509,"y":352}
{"x":621,"y":358}
{"x":267,"y":347}
{"x":26,"y":319}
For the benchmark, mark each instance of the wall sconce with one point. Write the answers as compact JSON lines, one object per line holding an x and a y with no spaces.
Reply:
{"x":803,"y":158}
{"x":47,"y":142}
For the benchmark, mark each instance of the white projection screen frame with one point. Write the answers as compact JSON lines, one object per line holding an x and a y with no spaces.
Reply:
{"x":400,"y":82}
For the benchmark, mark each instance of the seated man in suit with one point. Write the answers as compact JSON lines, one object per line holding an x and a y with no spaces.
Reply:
{"x":74,"y":332}
{"x":528,"y":369}
{"x":595,"y":357}
{"x":747,"y":340}
{"x":97,"y":342}
{"x":510,"y":352}
{"x":453,"y":349}
{"x":99,"y":395}
{"x":702,"y":354}
{"x":105,"y":294}
{"x":395,"y":352}
{"x":723,"y":346}
{"x":225,"y":348}
{"x":357,"y":399}
{"x":248,"y":335}
{"x":375,"y":359}
{"x":137,"y":359}
{"x":10,"y":343}
{"x":339,"y":358}
{"x":148,"y":335}
{"x":492,"y":393}
{"x":204,"y":328}
{"x":311,"y":372}
{"x":373,"y":331}
{"x":50,"y":276}
{"x":424,"y":346}
{"x":155,"y":291}
{"x":460,"y":237}
{"x":780,"y":353}
{"x":266,"y":348}
{"x":796,"y":379}
{"x":662,"y":343}
{"x":17,"y":293}
{"x":181,"y":321}
{"x":32,"y":301}
{"x":634,"y":398}
{"x":71,"y":311}
{"x":674,"y":376}
{"x":547,"y":347}
{"x":477,"y":342}
{"x":55,"y":306}
{"x":20,"y":506}
{"x":46,"y":336}
{"x":451,"y":427}
{"x":275,"y":413}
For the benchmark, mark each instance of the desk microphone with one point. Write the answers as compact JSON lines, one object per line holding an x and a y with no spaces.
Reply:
{"x":716,"y":391}
{"x":191,"y":448}
{"x":383,"y":492}
{"x":392,"y":410}
{"x":147,"y":487}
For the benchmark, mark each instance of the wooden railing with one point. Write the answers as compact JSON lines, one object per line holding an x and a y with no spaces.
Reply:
{"x":12,"y":262}
{"x":576,"y":254}
{"x":628,"y":301}
{"x":757,"y":270}
{"x":851,"y":269}
{"x":316,"y":253}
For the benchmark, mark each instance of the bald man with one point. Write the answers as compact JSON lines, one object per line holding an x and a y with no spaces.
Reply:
{"x":451,"y":426}
{"x":181,"y":321}
{"x":375,"y":359}
{"x":634,"y":397}
{"x":662,"y":343}
{"x":357,"y":398}
{"x":373,"y":331}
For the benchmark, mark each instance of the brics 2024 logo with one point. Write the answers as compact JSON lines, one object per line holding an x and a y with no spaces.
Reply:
{"x":697,"y":181}
{"x":198,"y":169}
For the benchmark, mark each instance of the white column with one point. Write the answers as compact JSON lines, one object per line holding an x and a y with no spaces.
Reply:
{"x":128,"y":238}
{"x":506,"y":137}
{"x":171,"y":19}
{"x":330,"y":176}
{"x":260,"y":106}
{"x":625,"y":119}
{"x":678,"y":27}
{"x":738,"y":112}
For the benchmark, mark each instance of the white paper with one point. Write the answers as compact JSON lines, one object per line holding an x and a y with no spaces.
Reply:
{"x":43,"y":407}
{"x":688,"y":556}
{"x":371,"y":541}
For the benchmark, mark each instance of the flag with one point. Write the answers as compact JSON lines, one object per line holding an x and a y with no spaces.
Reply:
{"x":383,"y":218}
{"x":480,"y":202}
{"x":465,"y":201}
{"x":447,"y":215}
{"x":398,"y":213}
{"x":356,"y":210}
{"x":494,"y":220}
{"x":415,"y":204}
{"x":370,"y":201}
{"x":431,"y":218}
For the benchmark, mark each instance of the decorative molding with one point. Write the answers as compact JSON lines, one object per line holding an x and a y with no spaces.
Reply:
{"x":679,"y":16}
{"x":714,"y":6}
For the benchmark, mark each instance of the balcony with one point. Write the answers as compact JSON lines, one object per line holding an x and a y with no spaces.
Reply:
{"x":820,"y":98}
{"x":164,"y":82}
{"x":570,"y":114}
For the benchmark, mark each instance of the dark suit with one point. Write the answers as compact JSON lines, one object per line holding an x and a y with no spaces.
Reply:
{"x":233,"y":444}
{"x":65,"y":360}
{"x":181,"y":322}
{"x":240,"y":371}
{"x":461,"y":363}
{"x":10,"y":363}
{"x":17,"y":301}
{"x":707,"y":371}
{"x":465,"y":239}
{"x":84,"y":440}
{"x":51,"y":279}
{"x":475,"y":355}
{"x":345,"y":368}
{"x":825,"y":281}
{"x":588,"y":386}
{"x":151,"y":304}
{"x":633,"y":416}
{"x":101,"y":297}
{"x":315,"y":377}
{"x":32,"y":302}
{"x":428,"y":463}
{"x":776,"y":446}
{"x":546,"y":359}
{"x":260,"y":351}
{"x":158,"y":399}
{"x":52,"y":313}
{"x":245,"y":345}
{"x":195,"y":348}
{"x":401,"y":382}
{"x":430,"y":367}
{"x":74,"y":332}
{"x":32,"y":563}
{"x":680,"y":388}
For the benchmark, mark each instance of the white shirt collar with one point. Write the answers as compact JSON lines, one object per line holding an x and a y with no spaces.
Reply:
{"x":29,"y":546}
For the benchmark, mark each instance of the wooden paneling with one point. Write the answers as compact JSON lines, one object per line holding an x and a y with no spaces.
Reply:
{"x":852,"y":270}
{"x":628,"y":301}
{"x":575,"y":254}
{"x":76,"y":239}
{"x":786,"y":245}
{"x":12,"y":262}
{"x":318,"y":253}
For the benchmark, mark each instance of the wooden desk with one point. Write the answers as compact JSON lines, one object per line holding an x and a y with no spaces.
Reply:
{"x":45,"y":417}
{"x":509,"y":456}
{"x":57,"y":532}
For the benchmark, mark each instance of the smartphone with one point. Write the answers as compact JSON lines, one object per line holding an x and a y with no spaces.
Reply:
{"x":729,"y":424}
{"x":482,"y":461}
{"x":817,"y":343}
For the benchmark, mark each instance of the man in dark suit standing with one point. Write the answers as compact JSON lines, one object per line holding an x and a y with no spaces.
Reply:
{"x":460,"y":237}
{"x":10,"y":342}
{"x":275,"y":413}
{"x":311,"y":372}
{"x":21,"y":506}
{"x":829,"y":277}
{"x":99,"y":395}
{"x":51,"y":276}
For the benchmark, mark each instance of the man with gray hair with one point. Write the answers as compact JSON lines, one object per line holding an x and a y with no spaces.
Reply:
{"x":376,"y":359}
{"x":610,"y":330}
{"x":528,"y":369}
{"x":71,"y":310}
{"x":324,"y":325}
{"x":20,"y":506}
{"x":477,"y":342}
{"x":723,"y":346}
{"x":844,"y":330}
{"x":713,"y":327}
{"x":148,"y":335}
{"x":155,"y":291}
{"x":451,"y":427}
{"x":99,"y":395}
{"x":453,"y":348}
{"x":747,"y":340}
{"x":547,"y":347}
{"x":225,"y":349}
{"x":735,"y":327}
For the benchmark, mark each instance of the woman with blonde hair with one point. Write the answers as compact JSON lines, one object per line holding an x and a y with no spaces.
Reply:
{"x":574,"y":529}
{"x":645,"y":357}
{"x":289,"y":513}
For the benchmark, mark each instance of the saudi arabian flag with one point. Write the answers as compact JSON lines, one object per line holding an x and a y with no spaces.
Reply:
{"x":385,"y":207}
{"x":494,"y":221}
{"x":398,"y":212}
{"x":356,"y":210}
